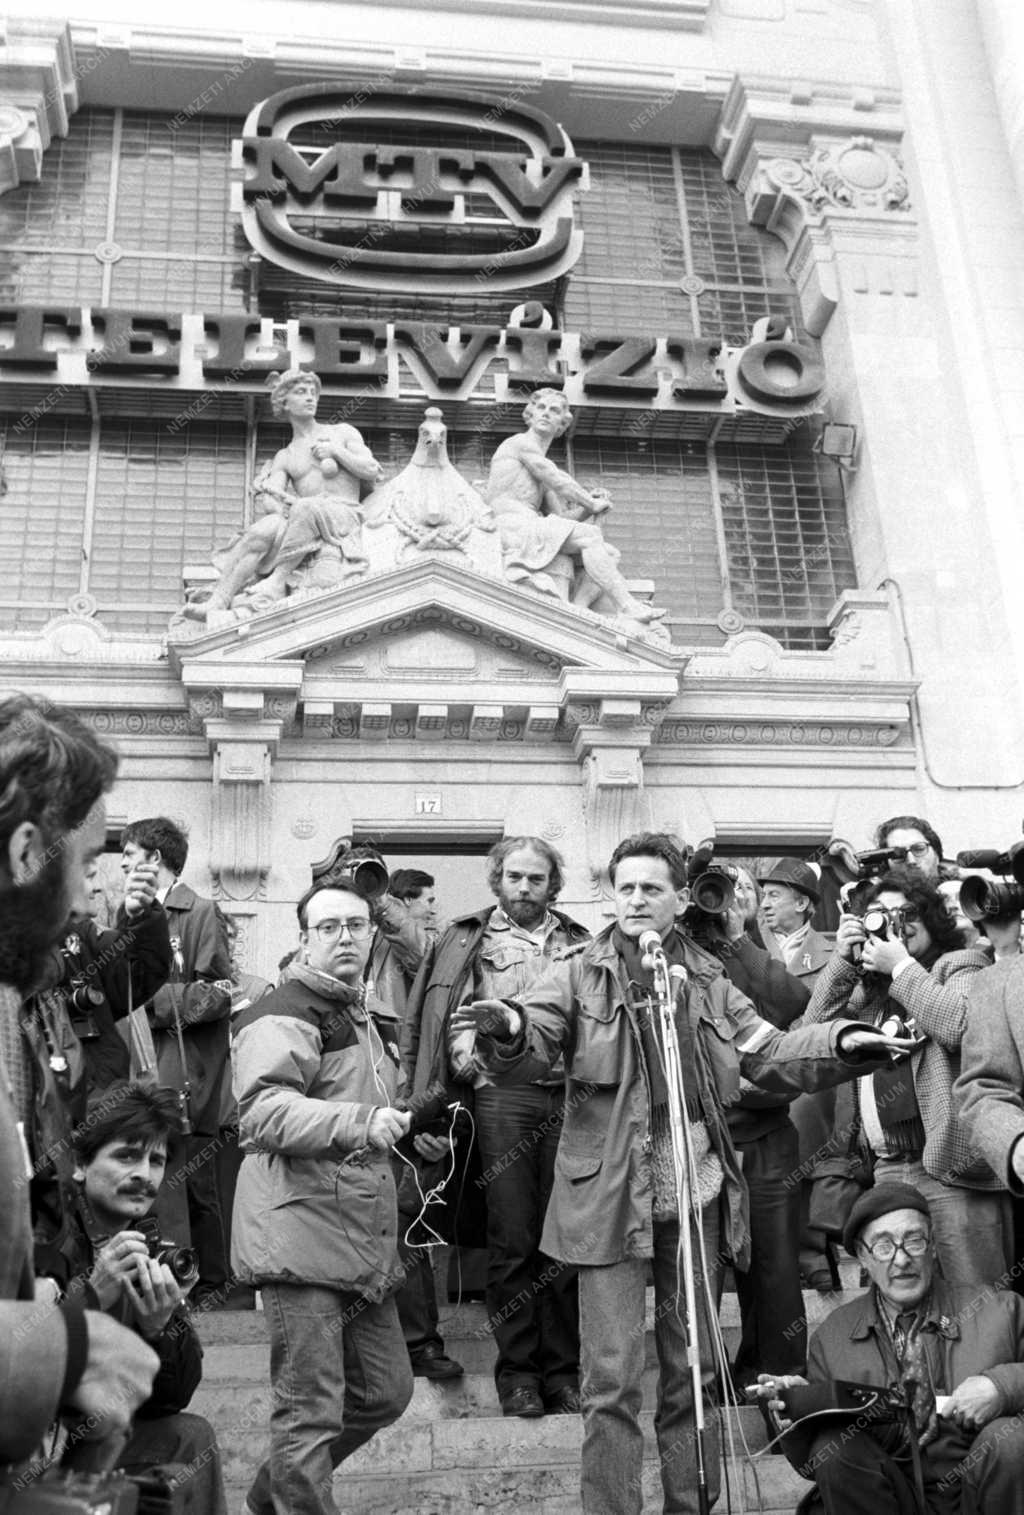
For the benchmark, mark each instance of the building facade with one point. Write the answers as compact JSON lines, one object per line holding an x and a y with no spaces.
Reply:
{"x":729,"y":231}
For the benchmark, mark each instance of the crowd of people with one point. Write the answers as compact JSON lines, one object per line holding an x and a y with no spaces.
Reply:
{"x":177,"y":1134}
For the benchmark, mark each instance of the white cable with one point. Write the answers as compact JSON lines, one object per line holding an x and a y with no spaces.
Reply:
{"x":375,"y":1062}
{"x":689,"y":1211}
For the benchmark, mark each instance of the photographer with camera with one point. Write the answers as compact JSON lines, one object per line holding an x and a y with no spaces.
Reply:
{"x":921,"y":844}
{"x":114,"y":1260}
{"x":903,"y":964}
{"x":67,"y":1361}
{"x":943,"y":1435}
{"x":773,"y":1338}
{"x":990,"y":1089}
{"x":100,"y":974}
{"x":189,"y":1020}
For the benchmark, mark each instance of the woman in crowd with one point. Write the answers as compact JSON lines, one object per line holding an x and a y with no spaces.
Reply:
{"x":905,"y":957}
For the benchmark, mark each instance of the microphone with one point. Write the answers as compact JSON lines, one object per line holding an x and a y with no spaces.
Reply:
{"x":678,"y":976}
{"x":650,"y":945}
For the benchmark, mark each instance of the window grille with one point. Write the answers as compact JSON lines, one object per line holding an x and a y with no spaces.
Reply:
{"x":45,"y":469}
{"x":654,"y":215}
{"x":786,"y":536}
{"x":163,"y":498}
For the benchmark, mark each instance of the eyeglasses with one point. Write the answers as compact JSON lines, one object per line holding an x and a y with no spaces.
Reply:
{"x":330,"y":931}
{"x":918,"y":849}
{"x":915,"y":1244}
{"x":908,"y":915}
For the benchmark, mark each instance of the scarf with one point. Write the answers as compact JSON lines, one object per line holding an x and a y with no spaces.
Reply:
{"x":914,"y":1377}
{"x":644,"y":1003}
{"x":709,"y":1172}
{"x":16,"y":1057}
{"x":899,"y":1114}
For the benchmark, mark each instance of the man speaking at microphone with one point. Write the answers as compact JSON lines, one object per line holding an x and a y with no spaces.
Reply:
{"x":614,"y":1203}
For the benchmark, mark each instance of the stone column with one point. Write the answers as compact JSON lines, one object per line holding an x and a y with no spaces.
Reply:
{"x":829,"y":179}
{"x":1002,"y":29}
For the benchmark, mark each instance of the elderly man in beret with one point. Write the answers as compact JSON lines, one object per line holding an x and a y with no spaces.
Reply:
{"x":954,"y":1354}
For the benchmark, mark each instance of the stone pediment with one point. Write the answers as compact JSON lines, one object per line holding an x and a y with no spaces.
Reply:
{"x":428,"y":639}
{"x":429,"y":652}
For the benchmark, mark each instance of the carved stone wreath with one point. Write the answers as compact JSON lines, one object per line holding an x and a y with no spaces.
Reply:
{"x":855,"y":175}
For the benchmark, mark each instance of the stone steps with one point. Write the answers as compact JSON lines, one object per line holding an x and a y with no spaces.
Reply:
{"x":453,"y":1453}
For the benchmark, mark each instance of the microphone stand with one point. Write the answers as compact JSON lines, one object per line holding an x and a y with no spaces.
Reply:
{"x":668,"y":984}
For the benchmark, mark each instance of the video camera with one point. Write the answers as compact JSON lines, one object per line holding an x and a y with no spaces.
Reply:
{"x":154,"y":1492}
{"x":878,"y":860}
{"x":362,"y":864}
{"x":983,"y":899}
{"x":85,"y":1484}
{"x":712,"y":885}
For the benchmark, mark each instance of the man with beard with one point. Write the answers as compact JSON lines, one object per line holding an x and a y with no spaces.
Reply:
{"x":615,"y":1205}
{"x":498,"y":952}
{"x":53,"y":775}
{"x":106,"y":1259}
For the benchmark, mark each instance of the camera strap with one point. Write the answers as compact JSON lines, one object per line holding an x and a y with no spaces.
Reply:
{"x":185,"y":1092}
{"x":142,"y":1048}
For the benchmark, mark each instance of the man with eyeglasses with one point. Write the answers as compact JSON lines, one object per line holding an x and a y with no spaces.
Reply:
{"x":316,"y":1077}
{"x":922,"y":844}
{"x":955,"y":1356}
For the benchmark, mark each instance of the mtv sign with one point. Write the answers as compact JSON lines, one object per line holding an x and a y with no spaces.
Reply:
{"x":365,"y":190}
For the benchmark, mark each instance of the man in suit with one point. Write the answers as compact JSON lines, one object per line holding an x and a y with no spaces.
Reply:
{"x":789,"y":898}
{"x":189,"y":1017}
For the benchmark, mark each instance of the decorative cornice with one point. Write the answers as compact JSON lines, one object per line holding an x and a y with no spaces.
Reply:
{"x":730,"y":733}
{"x":806,"y":166}
{"x":38,"y":95}
{"x":856,"y":175}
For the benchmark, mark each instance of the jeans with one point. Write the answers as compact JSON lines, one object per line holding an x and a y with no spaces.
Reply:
{"x":339,"y":1372}
{"x":774,"y":1335}
{"x":532,"y":1301}
{"x":612,"y":1322}
{"x":972,"y":1227}
{"x":813,"y":1115}
{"x":416,"y":1298}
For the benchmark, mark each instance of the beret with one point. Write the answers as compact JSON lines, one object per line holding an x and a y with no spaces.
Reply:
{"x":881,"y":1200}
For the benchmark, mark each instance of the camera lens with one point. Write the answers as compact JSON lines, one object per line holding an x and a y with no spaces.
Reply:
{"x":876,"y":923}
{"x":84,"y":996}
{"x":182,"y":1261}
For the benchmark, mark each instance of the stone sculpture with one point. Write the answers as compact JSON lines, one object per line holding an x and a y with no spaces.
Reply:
{"x":309,"y":534}
{"x":534,"y":525}
{"x":547,"y":522}
{"x":430,"y":507}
